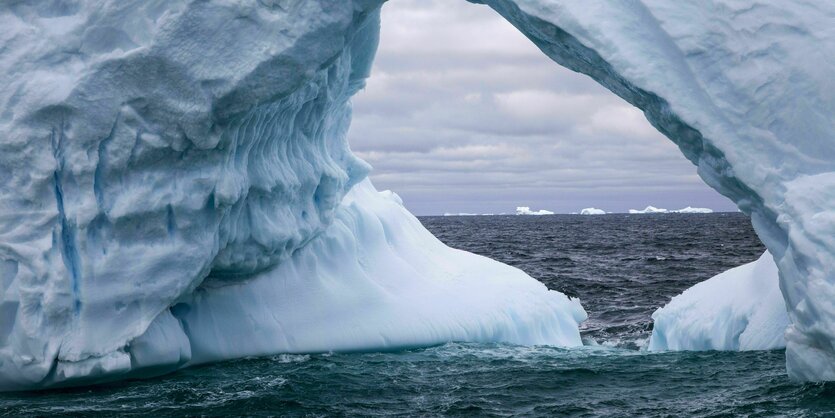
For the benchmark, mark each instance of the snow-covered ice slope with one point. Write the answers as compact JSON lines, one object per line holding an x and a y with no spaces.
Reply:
{"x":376,"y":279}
{"x":745,"y":88}
{"x":161,"y":158}
{"x":739,"y":309}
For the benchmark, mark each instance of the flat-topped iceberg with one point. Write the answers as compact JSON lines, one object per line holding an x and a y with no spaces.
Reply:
{"x":653,"y":209}
{"x":693,"y":210}
{"x":525,"y":210}
{"x":648,"y":209}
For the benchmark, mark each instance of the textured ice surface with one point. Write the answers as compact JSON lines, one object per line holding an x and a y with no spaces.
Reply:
{"x":740,"y":309}
{"x":158,"y":155}
{"x":152,"y":148}
{"x":525,"y":210}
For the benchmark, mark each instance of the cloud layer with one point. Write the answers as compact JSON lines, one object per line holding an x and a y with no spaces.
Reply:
{"x":463,"y":114}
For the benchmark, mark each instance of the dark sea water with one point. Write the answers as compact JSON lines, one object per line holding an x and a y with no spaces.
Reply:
{"x":622,"y":267}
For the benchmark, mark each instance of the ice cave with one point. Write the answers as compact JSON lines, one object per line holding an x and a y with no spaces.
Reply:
{"x":177,"y":179}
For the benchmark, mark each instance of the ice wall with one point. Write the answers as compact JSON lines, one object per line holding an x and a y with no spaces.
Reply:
{"x":148,"y":148}
{"x":745,"y":89}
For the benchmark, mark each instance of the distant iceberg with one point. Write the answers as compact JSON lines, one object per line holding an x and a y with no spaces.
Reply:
{"x":649,"y":209}
{"x":526,"y":210}
{"x":739,"y":309}
{"x":460,"y":214}
{"x":592,"y":211}
{"x":694,"y":210}
{"x":653,"y":209}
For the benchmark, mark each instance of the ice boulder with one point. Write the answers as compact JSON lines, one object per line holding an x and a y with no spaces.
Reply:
{"x":739,"y":309}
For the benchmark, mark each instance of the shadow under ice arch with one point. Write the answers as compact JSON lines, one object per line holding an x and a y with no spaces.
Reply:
{"x":180,"y":182}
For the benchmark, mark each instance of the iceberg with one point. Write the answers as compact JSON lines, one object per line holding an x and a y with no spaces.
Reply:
{"x":739,"y":309}
{"x":168,"y":165}
{"x":525,"y":210}
{"x":744,"y":88}
{"x":592,"y":211}
{"x":649,"y":209}
{"x":178,"y":189}
{"x":693,"y":210}
{"x":653,"y":209}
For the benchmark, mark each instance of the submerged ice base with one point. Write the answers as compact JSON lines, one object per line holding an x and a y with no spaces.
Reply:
{"x":739,"y":309}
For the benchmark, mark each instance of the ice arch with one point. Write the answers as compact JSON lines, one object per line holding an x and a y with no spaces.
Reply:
{"x":743,"y":90}
{"x":173,"y":168}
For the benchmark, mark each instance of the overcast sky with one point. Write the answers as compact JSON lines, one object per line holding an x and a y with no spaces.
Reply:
{"x":463,"y":114}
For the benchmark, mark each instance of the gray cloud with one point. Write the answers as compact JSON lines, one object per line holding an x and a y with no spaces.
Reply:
{"x":463,"y":114}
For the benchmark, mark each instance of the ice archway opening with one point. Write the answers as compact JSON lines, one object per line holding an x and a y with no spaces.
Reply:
{"x":463,"y":114}
{"x":436,"y":117}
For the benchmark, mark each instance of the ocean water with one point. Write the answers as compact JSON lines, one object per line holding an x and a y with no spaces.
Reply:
{"x":621,"y":266}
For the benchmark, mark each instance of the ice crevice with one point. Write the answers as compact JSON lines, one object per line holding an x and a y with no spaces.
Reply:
{"x":180,"y":190}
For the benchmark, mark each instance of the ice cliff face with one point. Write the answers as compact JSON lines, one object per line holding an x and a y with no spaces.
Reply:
{"x":172,"y":169}
{"x":149,"y":148}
